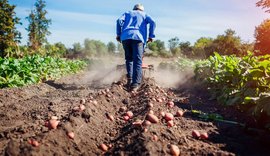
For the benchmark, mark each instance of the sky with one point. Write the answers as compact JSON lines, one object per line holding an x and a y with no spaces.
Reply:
{"x":75,"y":20}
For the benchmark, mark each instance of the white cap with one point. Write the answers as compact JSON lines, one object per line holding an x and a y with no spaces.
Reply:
{"x":138,"y":7}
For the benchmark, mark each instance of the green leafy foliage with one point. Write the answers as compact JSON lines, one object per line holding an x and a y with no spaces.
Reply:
{"x":234,"y":81}
{"x":34,"y":69}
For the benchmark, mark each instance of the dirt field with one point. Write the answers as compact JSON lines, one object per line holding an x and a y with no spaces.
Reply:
{"x":25,"y":112}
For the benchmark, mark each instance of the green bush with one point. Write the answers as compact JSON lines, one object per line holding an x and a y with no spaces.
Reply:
{"x":34,"y":69}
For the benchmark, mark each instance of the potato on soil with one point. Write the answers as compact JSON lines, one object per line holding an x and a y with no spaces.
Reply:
{"x":109,"y":116}
{"x":152,"y":118}
{"x":150,"y":105}
{"x":162,"y":113}
{"x":103,"y":147}
{"x":129,"y":114}
{"x":137,"y":123}
{"x":151,"y":112}
{"x":82,"y":101}
{"x":170,"y":104}
{"x":170,"y":123}
{"x":146,"y":123}
{"x":179,"y":113}
{"x":204,"y":135}
{"x":53,"y":124}
{"x":95,"y":102}
{"x":196,"y":134}
{"x":71,"y":135}
{"x":175,"y":150}
{"x":155,"y":138}
{"x":126,"y":118}
{"x":33,"y":142}
{"x":82,"y":108}
{"x":168,"y":116}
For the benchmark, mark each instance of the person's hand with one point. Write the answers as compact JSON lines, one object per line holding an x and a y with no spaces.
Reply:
{"x":149,"y":40}
{"x":118,"y":38}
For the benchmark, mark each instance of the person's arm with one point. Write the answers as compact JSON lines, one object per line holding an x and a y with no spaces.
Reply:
{"x":151,"y":28}
{"x":119,"y":24}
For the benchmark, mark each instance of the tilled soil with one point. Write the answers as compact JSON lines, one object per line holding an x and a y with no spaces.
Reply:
{"x":25,"y":112}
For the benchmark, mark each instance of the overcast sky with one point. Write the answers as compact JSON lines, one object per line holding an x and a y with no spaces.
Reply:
{"x":75,"y":20}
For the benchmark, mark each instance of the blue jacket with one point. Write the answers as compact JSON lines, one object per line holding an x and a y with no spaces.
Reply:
{"x":133,"y":25}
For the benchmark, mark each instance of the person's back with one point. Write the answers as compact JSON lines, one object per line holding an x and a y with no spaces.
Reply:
{"x":135,"y":26}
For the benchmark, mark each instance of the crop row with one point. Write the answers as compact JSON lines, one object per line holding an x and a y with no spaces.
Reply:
{"x":238,"y":81}
{"x":35,"y":69}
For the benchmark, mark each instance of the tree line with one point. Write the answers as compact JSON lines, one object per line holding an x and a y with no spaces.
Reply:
{"x":38,"y":30}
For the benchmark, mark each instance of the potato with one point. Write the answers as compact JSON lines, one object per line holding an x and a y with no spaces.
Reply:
{"x":129,"y":114}
{"x":104,"y":147}
{"x":53,"y":124}
{"x":170,"y":123}
{"x":126,"y":118}
{"x":170,"y":104}
{"x":35,"y":143}
{"x":109,"y":116}
{"x":151,"y":105}
{"x":82,"y":101}
{"x":152,"y":118}
{"x":137,"y":123}
{"x":179,"y":113}
{"x":95,"y":102}
{"x":168,"y":116}
{"x":146,"y":123}
{"x":175,"y":150}
{"x":54,"y":117}
{"x":71,"y":135}
{"x":155,"y":138}
{"x":196,"y":134}
{"x":162,"y":113}
{"x":204,"y":135}
{"x":151,"y":112}
{"x":82,"y":107}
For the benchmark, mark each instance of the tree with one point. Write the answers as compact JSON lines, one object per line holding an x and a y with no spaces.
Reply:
{"x":77,"y":47}
{"x":38,"y":26}
{"x":111,"y":47}
{"x":262,"y":37}
{"x":186,"y":48}
{"x":9,"y":36}
{"x":94,"y":48}
{"x":227,"y":44}
{"x":201,"y":47}
{"x":264,"y":4}
{"x":173,"y":46}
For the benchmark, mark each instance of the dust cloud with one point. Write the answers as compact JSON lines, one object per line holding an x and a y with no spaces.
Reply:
{"x":102,"y":72}
{"x":168,"y":78}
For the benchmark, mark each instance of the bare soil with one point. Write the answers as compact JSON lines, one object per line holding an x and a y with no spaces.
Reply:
{"x":25,"y":111}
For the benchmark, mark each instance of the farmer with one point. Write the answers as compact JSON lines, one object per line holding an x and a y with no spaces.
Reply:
{"x":131,"y":30}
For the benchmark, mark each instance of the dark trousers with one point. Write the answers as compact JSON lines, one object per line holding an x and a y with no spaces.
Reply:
{"x":133,"y":55}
